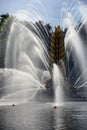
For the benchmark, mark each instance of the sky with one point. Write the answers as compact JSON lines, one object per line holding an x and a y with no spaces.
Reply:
{"x":50,"y":10}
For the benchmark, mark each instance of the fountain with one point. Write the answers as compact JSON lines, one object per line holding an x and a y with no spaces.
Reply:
{"x":75,"y":46}
{"x":58,"y":82}
{"x":27,"y":59}
{"x":27,"y":66}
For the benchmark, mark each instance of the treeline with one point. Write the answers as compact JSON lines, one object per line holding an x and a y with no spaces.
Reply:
{"x":41,"y":29}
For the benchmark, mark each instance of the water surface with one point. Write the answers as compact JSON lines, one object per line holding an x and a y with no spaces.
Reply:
{"x":42,"y":116}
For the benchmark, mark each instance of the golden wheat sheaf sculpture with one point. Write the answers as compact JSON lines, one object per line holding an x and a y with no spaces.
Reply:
{"x":56,"y":46}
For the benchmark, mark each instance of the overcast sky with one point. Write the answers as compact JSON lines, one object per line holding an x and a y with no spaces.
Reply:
{"x":49,"y":9}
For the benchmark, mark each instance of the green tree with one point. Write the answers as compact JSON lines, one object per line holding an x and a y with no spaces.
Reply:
{"x":3,"y":17}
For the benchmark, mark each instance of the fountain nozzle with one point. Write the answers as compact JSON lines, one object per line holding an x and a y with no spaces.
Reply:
{"x":55,"y":107}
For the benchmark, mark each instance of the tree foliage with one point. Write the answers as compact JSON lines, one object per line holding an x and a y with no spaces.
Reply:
{"x":5,"y":25}
{"x":3,"y":17}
